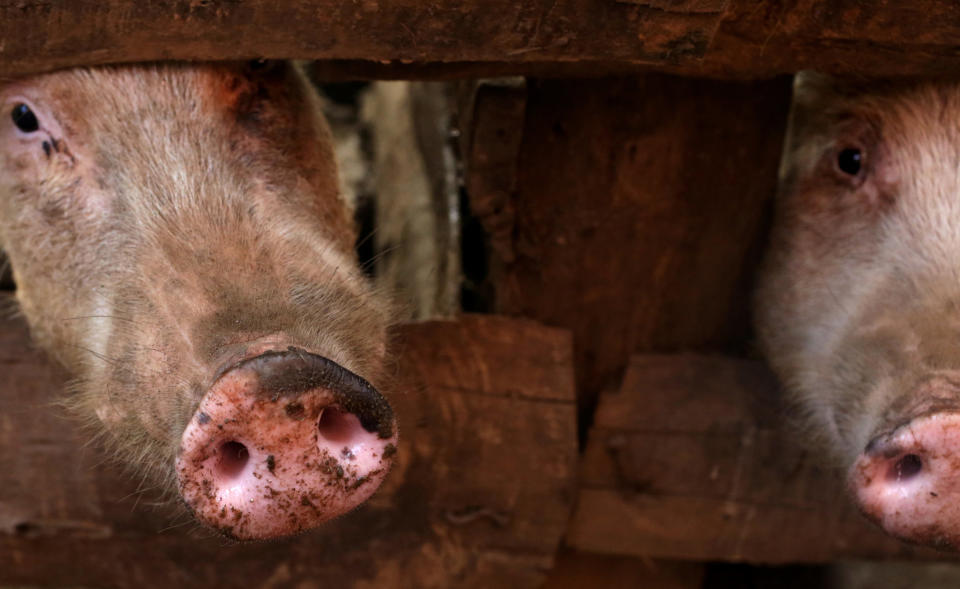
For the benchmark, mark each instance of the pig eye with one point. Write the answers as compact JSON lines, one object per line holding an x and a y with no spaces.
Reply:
{"x":850,"y":161}
{"x":24,"y":118}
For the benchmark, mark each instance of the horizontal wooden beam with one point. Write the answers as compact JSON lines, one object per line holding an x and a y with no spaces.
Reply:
{"x":446,"y":39}
{"x":690,"y":460}
{"x":479,"y":400}
{"x":577,"y":570}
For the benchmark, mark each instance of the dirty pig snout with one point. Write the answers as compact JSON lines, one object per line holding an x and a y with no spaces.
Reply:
{"x":283,"y":442}
{"x":907,"y":478}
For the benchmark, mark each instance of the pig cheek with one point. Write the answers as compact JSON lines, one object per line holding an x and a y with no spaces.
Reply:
{"x":880,"y":191}
{"x":887,"y":174}
{"x":67,"y":164}
{"x":35,"y":173}
{"x":109,"y":415}
{"x":93,"y":198}
{"x":25,"y":163}
{"x":160,"y":407}
{"x":32,"y":156}
{"x":153,"y":391}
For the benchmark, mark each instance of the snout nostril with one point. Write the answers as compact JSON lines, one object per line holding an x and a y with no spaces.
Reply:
{"x":233,"y":458}
{"x":907,"y":467}
{"x":336,"y":425}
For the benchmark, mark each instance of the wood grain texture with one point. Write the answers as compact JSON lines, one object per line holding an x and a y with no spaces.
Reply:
{"x":491,"y":116}
{"x":480,"y":495}
{"x":443,"y":39}
{"x":580,"y":570}
{"x":690,"y":460}
{"x":43,"y":34}
{"x":638,"y":215}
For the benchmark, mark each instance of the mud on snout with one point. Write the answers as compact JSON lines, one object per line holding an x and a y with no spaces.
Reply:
{"x":283,"y":442}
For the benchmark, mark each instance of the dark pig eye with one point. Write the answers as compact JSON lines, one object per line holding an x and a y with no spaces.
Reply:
{"x":850,"y":160}
{"x":24,"y":118}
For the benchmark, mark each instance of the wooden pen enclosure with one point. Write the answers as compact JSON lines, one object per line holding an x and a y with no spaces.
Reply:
{"x":599,"y":417}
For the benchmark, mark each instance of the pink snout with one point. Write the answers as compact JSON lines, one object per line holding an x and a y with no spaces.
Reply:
{"x":909,"y":481}
{"x":283,"y":442}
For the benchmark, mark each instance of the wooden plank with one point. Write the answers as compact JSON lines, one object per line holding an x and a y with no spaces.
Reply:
{"x":479,"y":400}
{"x":689,"y":460}
{"x":576,"y":570}
{"x":638,"y":215}
{"x":840,"y":36}
{"x":43,"y":34}
{"x":753,"y":39}
{"x":619,"y":210}
{"x":491,"y":116}
{"x":445,"y":39}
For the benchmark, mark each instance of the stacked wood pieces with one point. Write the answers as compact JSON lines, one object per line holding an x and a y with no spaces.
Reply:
{"x":690,"y":459}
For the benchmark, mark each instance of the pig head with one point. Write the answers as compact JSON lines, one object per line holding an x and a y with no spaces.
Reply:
{"x":858,"y":310}
{"x":180,"y":245}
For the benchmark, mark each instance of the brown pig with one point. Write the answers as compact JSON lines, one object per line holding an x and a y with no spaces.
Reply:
{"x":179,"y":243}
{"x":859,"y":307}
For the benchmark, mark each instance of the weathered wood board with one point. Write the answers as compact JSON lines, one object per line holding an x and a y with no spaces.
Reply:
{"x":491,"y":118}
{"x":638,"y":212}
{"x":580,"y":570}
{"x":455,"y":38}
{"x":40,"y":34}
{"x":691,"y":460}
{"x":480,"y":495}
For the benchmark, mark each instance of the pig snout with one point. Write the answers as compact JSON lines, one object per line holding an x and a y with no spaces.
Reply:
{"x":908,"y":481}
{"x":283,"y":442}
{"x":125,"y":193}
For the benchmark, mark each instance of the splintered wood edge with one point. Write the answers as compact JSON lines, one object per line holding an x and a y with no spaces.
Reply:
{"x":692,"y":459}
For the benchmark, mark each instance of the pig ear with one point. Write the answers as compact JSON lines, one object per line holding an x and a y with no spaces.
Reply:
{"x":815,"y":90}
{"x":815,"y":96}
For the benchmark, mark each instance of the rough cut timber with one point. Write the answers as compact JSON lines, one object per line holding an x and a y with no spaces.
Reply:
{"x":580,"y":570}
{"x":491,"y":115}
{"x":479,"y":498}
{"x":637,"y":213}
{"x":476,"y":38}
{"x":689,"y":460}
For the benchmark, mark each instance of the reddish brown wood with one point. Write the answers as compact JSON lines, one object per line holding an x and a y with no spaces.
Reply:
{"x":492,"y":113}
{"x":689,"y":460}
{"x":578,"y":570}
{"x":480,"y":401}
{"x":455,"y":38}
{"x":838,"y":36}
{"x":43,"y":34}
{"x":638,"y":216}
